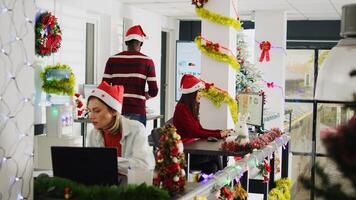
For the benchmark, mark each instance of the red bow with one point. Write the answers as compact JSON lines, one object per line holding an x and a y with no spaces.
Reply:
{"x":270,"y":85}
{"x":213,"y":46}
{"x":265,"y":46}
{"x":227,"y":193}
{"x":199,"y":3}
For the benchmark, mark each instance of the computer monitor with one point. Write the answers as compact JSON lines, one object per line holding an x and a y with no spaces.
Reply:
{"x":86,"y":165}
{"x":252,"y":103}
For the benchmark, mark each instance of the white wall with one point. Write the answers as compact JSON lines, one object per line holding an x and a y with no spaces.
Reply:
{"x":73,"y":15}
{"x":16,"y":95}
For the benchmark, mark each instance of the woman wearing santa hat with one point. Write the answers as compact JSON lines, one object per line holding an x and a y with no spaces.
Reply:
{"x":111,"y":129}
{"x":186,"y":117}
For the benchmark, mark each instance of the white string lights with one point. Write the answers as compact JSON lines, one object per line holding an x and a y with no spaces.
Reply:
{"x":224,"y":177}
{"x":16,"y":98}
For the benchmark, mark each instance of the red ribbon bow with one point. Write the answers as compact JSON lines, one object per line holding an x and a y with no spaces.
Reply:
{"x":270,"y":85}
{"x":265,"y":46}
{"x":213,"y":46}
{"x":199,"y":3}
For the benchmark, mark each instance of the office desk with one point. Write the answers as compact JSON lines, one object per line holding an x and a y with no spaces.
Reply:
{"x":203,"y":147}
{"x":84,"y":121}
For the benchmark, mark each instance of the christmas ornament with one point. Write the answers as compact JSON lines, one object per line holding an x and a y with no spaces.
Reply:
{"x":47,"y":35}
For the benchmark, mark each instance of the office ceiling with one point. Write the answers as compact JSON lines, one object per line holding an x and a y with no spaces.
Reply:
{"x":296,"y":9}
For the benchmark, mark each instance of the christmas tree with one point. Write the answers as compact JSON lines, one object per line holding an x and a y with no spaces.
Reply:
{"x":170,"y":161}
{"x":248,"y":78}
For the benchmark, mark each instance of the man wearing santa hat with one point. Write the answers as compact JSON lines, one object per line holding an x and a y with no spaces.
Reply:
{"x":132,"y":69}
{"x":115,"y":131}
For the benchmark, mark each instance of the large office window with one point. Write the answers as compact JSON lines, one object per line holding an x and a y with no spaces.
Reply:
{"x":308,"y":118}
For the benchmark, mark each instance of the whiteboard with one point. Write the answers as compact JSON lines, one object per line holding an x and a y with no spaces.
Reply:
{"x":252,"y":103}
{"x":188,"y":61}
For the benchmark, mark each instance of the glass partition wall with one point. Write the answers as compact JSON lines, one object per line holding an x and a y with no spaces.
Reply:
{"x":308,"y":117}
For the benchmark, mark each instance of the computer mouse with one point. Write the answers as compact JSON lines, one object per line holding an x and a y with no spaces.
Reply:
{"x":212,"y":139}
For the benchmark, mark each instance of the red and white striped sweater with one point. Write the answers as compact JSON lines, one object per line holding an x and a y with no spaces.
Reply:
{"x":132,"y":70}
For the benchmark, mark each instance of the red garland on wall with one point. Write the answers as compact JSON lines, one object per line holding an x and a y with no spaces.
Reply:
{"x":257,"y":143}
{"x":47,"y":35}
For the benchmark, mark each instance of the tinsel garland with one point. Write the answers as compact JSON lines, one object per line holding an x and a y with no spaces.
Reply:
{"x":281,"y":191}
{"x":257,"y":143}
{"x":55,"y":85}
{"x":216,"y":54}
{"x":217,"y":18}
{"x":240,"y":193}
{"x":217,"y":97}
{"x":170,"y":161}
{"x":60,"y":188}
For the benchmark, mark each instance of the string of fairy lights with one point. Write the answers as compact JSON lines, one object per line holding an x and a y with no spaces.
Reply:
{"x":16,"y":98}
{"x":236,"y":170}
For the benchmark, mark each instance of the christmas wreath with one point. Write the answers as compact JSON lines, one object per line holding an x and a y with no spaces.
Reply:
{"x":47,"y":35}
{"x":58,"y":79}
{"x":170,"y":161}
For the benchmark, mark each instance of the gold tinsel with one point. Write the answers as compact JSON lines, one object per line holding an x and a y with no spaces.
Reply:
{"x":217,"y":55}
{"x":217,"y":18}
{"x":217,"y":97}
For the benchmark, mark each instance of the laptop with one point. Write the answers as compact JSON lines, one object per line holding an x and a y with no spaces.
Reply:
{"x":86,"y":165}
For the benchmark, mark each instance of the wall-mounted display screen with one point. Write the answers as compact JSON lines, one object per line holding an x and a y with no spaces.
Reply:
{"x":188,"y":61}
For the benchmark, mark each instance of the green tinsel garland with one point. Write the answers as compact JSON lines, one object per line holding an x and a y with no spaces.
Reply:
{"x":217,"y":55}
{"x":53,"y":187}
{"x":217,"y":97}
{"x":217,"y":18}
{"x":58,"y":86}
{"x":281,"y":191}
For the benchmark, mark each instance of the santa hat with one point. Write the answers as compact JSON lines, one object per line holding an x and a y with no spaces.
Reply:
{"x":190,"y":84}
{"x":111,"y":95}
{"x":135,"y":33}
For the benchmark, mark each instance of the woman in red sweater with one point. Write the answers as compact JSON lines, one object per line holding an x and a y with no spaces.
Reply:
{"x":186,"y":114}
{"x":186,"y":121}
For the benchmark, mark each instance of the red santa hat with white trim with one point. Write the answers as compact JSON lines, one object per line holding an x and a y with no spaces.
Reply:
{"x":111,"y":95}
{"x":190,"y":84}
{"x":135,"y":33}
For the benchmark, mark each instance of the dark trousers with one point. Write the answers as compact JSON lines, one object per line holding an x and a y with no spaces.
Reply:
{"x":137,"y":117}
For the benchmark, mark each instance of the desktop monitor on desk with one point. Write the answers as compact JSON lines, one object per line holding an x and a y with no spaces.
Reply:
{"x":252,"y":103}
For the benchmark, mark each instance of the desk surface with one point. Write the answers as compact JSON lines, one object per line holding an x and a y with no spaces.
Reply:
{"x":203,"y":147}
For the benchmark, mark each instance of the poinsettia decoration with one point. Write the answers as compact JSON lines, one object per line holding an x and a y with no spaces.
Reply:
{"x":199,"y":3}
{"x":265,"y":169}
{"x":79,"y":105}
{"x":170,"y":161}
{"x":48,"y":34}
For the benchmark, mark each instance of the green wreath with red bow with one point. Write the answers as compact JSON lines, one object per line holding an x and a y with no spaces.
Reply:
{"x":47,"y":34}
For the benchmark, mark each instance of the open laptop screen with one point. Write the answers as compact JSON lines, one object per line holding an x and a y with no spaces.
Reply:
{"x":86,"y":165}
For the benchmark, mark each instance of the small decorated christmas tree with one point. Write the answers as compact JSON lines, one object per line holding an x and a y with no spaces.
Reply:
{"x":170,"y":161}
{"x":249,"y":76}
